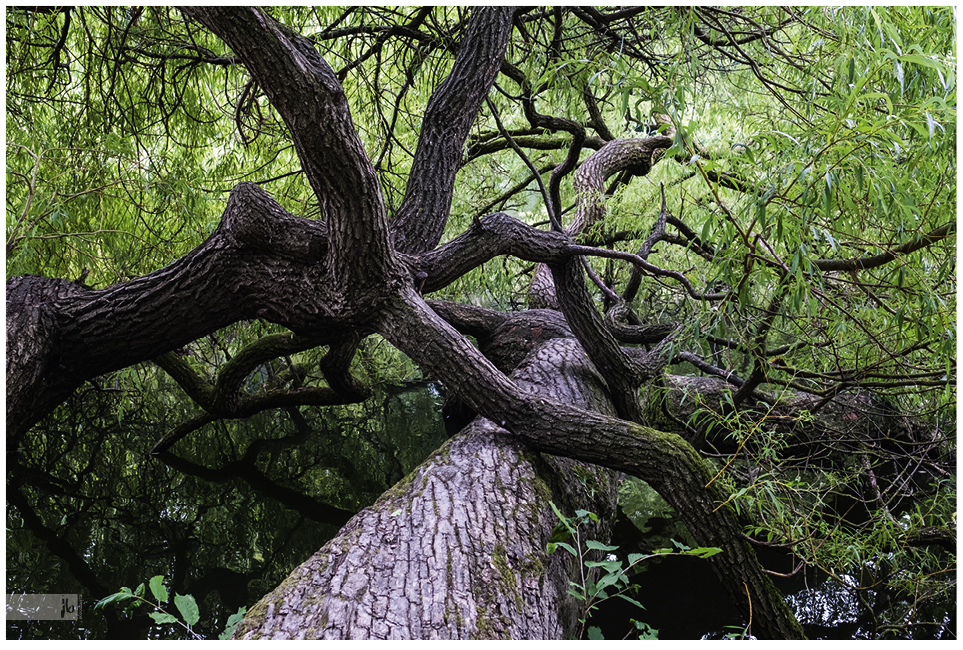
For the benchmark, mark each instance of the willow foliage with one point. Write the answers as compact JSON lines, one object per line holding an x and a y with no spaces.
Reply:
{"x":831,"y":138}
{"x":808,"y":233}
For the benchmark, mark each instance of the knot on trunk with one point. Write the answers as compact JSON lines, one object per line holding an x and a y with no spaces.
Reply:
{"x":254,"y":220}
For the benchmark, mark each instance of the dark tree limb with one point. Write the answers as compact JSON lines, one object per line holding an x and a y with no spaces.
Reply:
{"x":247,"y":405}
{"x":873,"y":261}
{"x":658,"y":233}
{"x":60,"y":334}
{"x":310,"y":99}
{"x":451,"y":111}
{"x":335,"y":368}
{"x":595,"y":115}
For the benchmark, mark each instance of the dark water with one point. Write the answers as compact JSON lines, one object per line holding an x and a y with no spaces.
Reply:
{"x":239,"y":504}
{"x":225,"y":518}
{"x":683,"y":599}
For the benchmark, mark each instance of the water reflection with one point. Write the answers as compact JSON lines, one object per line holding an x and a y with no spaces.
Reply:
{"x":225,"y":515}
{"x":830,"y":607}
{"x":234,"y":508}
{"x":683,"y":598}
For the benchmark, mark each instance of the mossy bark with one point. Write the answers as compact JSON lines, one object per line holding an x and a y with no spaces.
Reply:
{"x":457,"y":549}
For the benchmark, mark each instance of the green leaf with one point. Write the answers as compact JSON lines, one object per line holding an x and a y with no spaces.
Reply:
{"x":704,"y":551}
{"x":595,"y":634}
{"x":158,"y":589}
{"x":920,"y":59}
{"x":163,"y":617}
{"x":575,"y":591}
{"x":868,"y":97}
{"x":567,"y":547}
{"x":607,"y":580}
{"x":707,"y":230}
{"x":187,"y":606}
{"x":120,"y":596}
{"x":761,"y":215}
{"x":646,"y":633}
{"x":563,"y":521}
{"x":586,"y":515}
{"x":232,"y":622}
{"x":599,"y":546}
{"x":931,"y":125}
{"x":610,"y":566}
{"x":830,"y":239}
{"x":631,"y":600}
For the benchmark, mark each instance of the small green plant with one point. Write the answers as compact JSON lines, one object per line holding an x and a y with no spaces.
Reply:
{"x":740,"y":634}
{"x":591,"y":592}
{"x":186,"y":607}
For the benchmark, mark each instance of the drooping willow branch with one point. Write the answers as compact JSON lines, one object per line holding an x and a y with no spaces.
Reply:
{"x":873,"y":261}
{"x":501,"y":234}
{"x":553,"y":217}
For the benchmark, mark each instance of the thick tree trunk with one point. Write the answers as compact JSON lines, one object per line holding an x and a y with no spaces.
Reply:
{"x":457,"y":549}
{"x":343,"y":278}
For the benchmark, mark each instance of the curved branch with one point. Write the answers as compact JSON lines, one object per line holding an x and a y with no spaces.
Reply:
{"x":562,"y":170}
{"x":260,"y":263}
{"x":493,"y":235}
{"x":488,"y":144}
{"x":451,"y":111}
{"x":500,"y":234}
{"x":873,"y":261}
{"x":622,"y":373}
{"x":595,"y":115}
{"x":658,"y":232}
{"x":479,"y":322}
{"x":249,"y":405}
{"x":309,"y":98}
{"x":636,"y":155}
{"x":666,"y":460}
{"x":334,"y":366}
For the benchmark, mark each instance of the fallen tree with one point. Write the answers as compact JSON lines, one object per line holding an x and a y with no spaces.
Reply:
{"x":457,"y":549}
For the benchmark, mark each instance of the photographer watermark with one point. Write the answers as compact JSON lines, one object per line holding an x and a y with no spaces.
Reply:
{"x":43,"y":607}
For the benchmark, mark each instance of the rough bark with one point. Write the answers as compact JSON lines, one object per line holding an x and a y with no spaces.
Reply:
{"x":456,"y":550}
{"x":342,"y":278}
{"x":420,"y":222}
{"x":261,"y":262}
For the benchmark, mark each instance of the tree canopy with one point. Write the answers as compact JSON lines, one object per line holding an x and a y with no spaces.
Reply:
{"x":746,"y":216}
